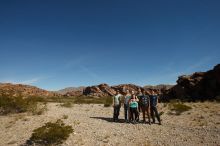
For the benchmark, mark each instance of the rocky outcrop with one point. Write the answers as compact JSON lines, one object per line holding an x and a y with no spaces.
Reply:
{"x":72,"y":91}
{"x":104,"y":90}
{"x":160,"y":87}
{"x":123,"y":87}
{"x":198,"y":86}
{"x":99,"y":91}
{"x":8,"y":89}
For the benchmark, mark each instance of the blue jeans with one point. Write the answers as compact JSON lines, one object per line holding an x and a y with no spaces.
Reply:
{"x":116,"y":112}
{"x":126,"y":111}
{"x":154,"y":112}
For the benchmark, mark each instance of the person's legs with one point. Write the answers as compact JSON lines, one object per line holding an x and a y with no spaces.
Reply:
{"x":114,"y":113}
{"x":157,"y":115}
{"x":143,"y":108}
{"x":129,"y":114}
{"x":132,"y":114}
{"x":152,"y":114}
{"x":126,"y":112}
{"x":118,"y":111}
{"x":136,"y":114}
{"x":148,"y":115}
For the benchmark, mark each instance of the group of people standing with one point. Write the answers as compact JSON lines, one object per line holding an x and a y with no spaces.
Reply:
{"x":143,"y":101}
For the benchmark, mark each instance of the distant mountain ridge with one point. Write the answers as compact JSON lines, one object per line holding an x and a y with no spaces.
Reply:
{"x":107,"y":90}
{"x":24,"y":90}
{"x":199,"y":85}
{"x":70,"y":89}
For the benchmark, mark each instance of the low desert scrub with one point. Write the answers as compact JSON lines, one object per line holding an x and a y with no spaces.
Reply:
{"x":65,"y":117}
{"x":66,"y":104}
{"x":50,"y":134}
{"x":89,"y":100}
{"x":76,"y":122}
{"x":19,"y":104}
{"x":178,"y":107}
{"x":108,"y":102}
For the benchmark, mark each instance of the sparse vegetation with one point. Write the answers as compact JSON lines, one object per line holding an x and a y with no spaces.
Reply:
{"x":178,"y":107}
{"x":65,"y":117}
{"x":19,"y":104}
{"x":108,"y":102}
{"x":51,"y":134}
{"x":67,"y":104}
{"x":80,"y":100}
{"x":89,"y":100}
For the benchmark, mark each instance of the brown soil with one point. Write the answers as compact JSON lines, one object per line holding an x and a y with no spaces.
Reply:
{"x":93,"y":126}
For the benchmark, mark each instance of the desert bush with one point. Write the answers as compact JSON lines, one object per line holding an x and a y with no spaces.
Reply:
{"x":108,"y":102}
{"x":65,"y":117}
{"x":67,"y":104}
{"x":50,"y":134}
{"x":161,"y":113}
{"x":15,"y":104}
{"x":39,"y":109}
{"x":178,"y":107}
{"x":19,"y":104}
{"x":89,"y":100}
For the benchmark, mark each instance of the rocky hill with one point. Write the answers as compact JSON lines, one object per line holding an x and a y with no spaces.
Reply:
{"x":24,"y":90}
{"x":198,"y":86}
{"x":159,"y":87}
{"x":106,"y":90}
{"x":71,"y":90}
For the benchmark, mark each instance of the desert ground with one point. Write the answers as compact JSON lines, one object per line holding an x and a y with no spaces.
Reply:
{"x":93,"y":126}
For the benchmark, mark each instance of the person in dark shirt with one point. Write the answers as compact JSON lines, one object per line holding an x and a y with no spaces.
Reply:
{"x":153,"y":107}
{"x":144,"y":103}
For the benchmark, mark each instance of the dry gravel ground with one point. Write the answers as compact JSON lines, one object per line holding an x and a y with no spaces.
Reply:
{"x":93,"y":126}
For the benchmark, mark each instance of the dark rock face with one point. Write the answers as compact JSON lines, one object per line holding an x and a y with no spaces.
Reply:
{"x":198,"y":86}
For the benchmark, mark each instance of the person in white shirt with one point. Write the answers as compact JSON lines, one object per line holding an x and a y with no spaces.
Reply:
{"x":116,"y":105}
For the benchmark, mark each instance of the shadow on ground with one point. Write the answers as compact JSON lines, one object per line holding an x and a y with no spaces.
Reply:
{"x":108,"y":119}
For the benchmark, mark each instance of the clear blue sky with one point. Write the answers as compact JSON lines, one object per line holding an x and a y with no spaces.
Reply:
{"x":55,"y":44}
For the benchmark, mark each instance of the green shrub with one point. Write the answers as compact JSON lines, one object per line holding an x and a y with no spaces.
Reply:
{"x":65,"y":117}
{"x":39,"y":109}
{"x":51,"y":133}
{"x":108,"y":102}
{"x":18,"y":104}
{"x":67,"y":104}
{"x":179,"y":108}
{"x":89,"y":100}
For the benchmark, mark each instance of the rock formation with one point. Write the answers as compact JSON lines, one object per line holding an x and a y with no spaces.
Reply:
{"x":99,"y":91}
{"x":198,"y":86}
{"x":106,"y":90}
{"x":72,"y":91}
{"x":24,"y":90}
